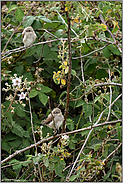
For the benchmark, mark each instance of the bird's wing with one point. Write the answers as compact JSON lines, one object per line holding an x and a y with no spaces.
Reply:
{"x":47,"y":121}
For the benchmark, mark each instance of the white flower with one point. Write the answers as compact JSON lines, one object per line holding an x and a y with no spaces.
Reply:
{"x":15,"y":75}
{"x":6,"y":84}
{"x":22,"y":95}
{"x":16,"y":81}
{"x":65,"y":137}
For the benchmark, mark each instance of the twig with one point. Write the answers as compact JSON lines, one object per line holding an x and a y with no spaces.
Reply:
{"x":34,"y":138}
{"x":22,"y":48}
{"x":93,"y":108}
{"x":110,"y":96}
{"x":69,"y":72}
{"x":67,"y":24}
{"x":103,"y":21}
{"x":12,"y":101}
{"x":83,"y":79}
{"x":50,"y":33}
{"x":53,"y":137}
{"x":112,"y":153}
{"x":51,"y":113}
{"x":97,"y":85}
{"x":40,"y":55}
{"x":68,"y":177}
{"x":91,"y":52}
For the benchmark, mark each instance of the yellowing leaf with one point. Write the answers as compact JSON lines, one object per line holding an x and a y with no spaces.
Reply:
{"x":66,"y":70}
{"x":108,"y":11}
{"x":76,"y":20}
{"x":115,"y":24}
{"x":66,"y":8}
{"x":63,"y":81}
{"x":65,"y":63}
{"x":78,"y":167}
{"x":58,"y":79}
{"x":103,"y":163}
{"x":104,"y":27}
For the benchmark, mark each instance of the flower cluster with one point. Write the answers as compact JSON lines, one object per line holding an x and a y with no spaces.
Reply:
{"x":16,"y":86}
{"x":60,"y":76}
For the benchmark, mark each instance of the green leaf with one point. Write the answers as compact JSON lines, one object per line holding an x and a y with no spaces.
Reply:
{"x":44,"y":89}
{"x":12,"y":7}
{"x":44,"y":18}
{"x":95,"y":141}
{"x":59,"y":33}
{"x":89,"y":62}
{"x":71,"y":145}
{"x":114,"y":49}
{"x":28,"y":75}
{"x":29,"y":20}
{"x":15,"y":143}
{"x":73,"y":177}
{"x":63,"y":93}
{"x":106,"y":176}
{"x":58,"y":169}
{"x":87,"y":109}
{"x":97,"y":146}
{"x":37,"y":24}
{"x":19,"y":112}
{"x":6,"y":146}
{"x":118,"y":114}
{"x":9,"y":136}
{"x":17,"y":166}
{"x":73,"y":72}
{"x":80,"y":103}
{"x":43,"y":98}
{"x":19,"y":14}
{"x":19,"y":69}
{"x":18,"y":130}
{"x":97,"y":98}
{"x":55,"y":159}
{"x":106,"y":97}
{"x":38,"y":49}
{"x":101,"y":73}
{"x":97,"y":13}
{"x":70,"y":124}
{"x":119,"y":131}
{"x":106,"y":52}
{"x":46,"y":162}
{"x":31,"y":51}
{"x":33,"y":93}
{"x":46,"y":50}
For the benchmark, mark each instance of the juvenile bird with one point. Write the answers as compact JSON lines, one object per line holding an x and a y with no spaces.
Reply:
{"x":58,"y":119}
{"x":28,"y":36}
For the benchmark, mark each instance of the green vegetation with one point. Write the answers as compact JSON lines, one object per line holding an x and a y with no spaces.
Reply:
{"x":76,"y":63}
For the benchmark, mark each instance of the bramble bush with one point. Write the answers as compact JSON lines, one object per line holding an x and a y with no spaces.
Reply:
{"x":74,"y":64}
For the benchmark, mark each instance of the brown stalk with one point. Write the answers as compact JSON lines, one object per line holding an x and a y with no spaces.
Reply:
{"x":70,"y":68}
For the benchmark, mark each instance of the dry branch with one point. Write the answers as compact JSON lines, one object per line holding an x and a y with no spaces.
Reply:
{"x":56,"y":136}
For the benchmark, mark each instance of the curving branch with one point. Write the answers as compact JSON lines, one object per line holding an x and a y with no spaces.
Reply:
{"x":56,"y":136}
{"x":90,"y":52}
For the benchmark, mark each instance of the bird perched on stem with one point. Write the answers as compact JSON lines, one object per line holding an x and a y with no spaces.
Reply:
{"x":28,"y":36}
{"x":56,"y":122}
